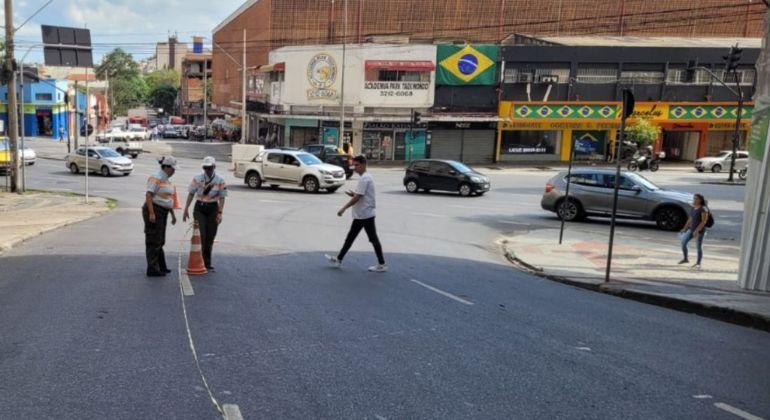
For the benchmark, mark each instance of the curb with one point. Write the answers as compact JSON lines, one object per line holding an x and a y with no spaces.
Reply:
{"x":746,"y":319}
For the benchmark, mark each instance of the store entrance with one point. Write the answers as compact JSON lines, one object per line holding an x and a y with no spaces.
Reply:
{"x":44,"y":123}
{"x":681,"y":146}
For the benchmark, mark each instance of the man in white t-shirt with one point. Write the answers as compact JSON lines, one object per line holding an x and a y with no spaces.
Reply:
{"x":364,"y":204}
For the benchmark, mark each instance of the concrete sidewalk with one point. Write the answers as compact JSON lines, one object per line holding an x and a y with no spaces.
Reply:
{"x":643,"y":271}
{"x":34,"y":213}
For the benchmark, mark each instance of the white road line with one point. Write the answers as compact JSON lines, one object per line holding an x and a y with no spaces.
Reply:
{"x":232,"y":412}
{"x":702,"y":397}
{"x":736,"y":411}
{"x":275,"y":201}
{"x":187,"y":288}
{"x":429,"y":215}
{"x":443,"y":293}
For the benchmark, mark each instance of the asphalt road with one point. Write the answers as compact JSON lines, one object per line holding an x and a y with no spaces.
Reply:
{"x":450,"y":332}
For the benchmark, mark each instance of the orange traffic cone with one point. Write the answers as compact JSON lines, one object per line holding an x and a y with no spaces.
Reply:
{"x":177,"y":204}
{"x":195,"y":265}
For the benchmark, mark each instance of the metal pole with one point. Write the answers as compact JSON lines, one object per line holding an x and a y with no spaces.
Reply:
{"x":737,"y":132}
{"x":87,"y":118}
{"x":205,"y":99}
{"x":342,"y":76}
{"x":569,"y":181}
{"x":13,"y":116}
{"x":243,"y":92}
{"x":618,"y":148}
{"x":23,"y":164}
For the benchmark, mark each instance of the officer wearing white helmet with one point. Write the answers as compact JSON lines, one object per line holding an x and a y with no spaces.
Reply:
{"x":158,"y":203}
{"x":209,"y":190}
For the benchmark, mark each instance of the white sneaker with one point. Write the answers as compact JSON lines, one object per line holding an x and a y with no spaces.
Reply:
{"x":696,"y":267}
{"x":379,"y":268}
{"x":333,"y":261}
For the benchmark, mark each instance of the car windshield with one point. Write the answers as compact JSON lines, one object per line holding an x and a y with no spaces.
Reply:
{"x":644,"y":182}
{"x":108,"y":153}
{"x":308,"y":159}
{"x":137,"y":129}
{"x":4,"y":145}
{"x":460,"y":167}
{"x":723,"y":154}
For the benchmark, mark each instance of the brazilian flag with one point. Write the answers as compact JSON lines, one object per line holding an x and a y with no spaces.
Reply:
{"x":466,"y":65}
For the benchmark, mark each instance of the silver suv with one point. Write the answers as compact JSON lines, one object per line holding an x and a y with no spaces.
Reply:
{"x":591,"y":192}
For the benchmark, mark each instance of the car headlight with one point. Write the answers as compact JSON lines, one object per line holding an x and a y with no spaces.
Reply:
{"x":477,"y":179}
{"x":324,"y":172}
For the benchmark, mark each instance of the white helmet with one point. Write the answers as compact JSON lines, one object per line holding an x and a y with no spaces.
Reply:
{"x":208,"y":162}
{"x":168,"y":161}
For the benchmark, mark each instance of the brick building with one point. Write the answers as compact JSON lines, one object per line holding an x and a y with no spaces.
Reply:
{"x":270,"y":24}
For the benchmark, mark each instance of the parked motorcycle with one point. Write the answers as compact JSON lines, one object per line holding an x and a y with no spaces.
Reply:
{"x":743,"y":173}
{"x":643,"y":162}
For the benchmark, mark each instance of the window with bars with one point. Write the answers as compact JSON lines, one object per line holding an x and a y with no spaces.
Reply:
{"x":536,"y":75}
{"x":641,"y":77}
{"x":597,"y":75}
{"x":745,"y":76}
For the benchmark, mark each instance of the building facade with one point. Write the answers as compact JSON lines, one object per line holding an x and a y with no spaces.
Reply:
{"x":46,"y":114}
{"x":553,"y":93}
{"x":270,"y":24}
{"x":170,"y":54}
{"x":191,"y":86}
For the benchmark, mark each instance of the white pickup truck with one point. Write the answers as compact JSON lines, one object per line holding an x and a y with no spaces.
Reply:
{"x":121,"y":141}
{"x":285,"y":168}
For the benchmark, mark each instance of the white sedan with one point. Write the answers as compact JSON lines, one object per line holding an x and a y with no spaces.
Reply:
{"x":101,"y":160}
{"x":28,"y":156}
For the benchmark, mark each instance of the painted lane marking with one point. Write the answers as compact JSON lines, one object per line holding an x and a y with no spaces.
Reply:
{"x":583,"y":348}
{"x":232,"y":412}
{"x":443,"y":293}
{"x":736,"y":411}
{"x":187,"y":288}
{"x":429,"y":215}
{"x":702,"y":397}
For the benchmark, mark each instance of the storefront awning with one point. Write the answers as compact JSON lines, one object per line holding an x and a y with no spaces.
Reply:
{"x":400,"y":65}
{"x":267,"y":68}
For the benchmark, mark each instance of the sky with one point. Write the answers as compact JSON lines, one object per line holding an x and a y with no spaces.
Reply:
{"x":134,"y":25}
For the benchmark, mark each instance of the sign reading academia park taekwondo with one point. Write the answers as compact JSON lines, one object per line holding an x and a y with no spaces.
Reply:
{"x":605,"y":116}
{"x":466,"y":64}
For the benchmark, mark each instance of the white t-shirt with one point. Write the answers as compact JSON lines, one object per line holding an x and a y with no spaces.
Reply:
{"x":364,"y":208}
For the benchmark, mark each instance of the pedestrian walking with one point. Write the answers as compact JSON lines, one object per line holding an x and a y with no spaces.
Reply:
{"x":61,"y":134}
{"x":364,"y":206}
{"x":158,"y":203}
{"x":210,"y":191}
{"x":154,"y":133}
{"x":697,"y":223}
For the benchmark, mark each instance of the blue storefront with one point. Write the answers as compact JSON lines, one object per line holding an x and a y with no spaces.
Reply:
{"x":45,"y":112}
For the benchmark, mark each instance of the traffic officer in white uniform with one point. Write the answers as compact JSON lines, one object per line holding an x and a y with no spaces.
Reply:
{"x":209,"y":191}
{"x":158,"y":203}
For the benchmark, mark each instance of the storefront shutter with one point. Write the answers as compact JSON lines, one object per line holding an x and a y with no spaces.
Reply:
{"x":445,"y":144}
{"x":469,"y":146}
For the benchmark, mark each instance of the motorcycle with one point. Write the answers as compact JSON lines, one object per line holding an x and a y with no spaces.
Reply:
{"x":743,"y":173}
{"x":642,"y":162}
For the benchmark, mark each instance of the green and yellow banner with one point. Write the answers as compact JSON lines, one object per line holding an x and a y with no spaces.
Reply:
{"x":466,"y":64}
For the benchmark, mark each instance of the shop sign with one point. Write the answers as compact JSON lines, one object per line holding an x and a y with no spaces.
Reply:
{"x":388,"y":89}
{"x":727,"y":126}
{"x":654,"y":111}
{"x":386,"y":126}
{"x":558,"y":125}
{"x":321,"y":74}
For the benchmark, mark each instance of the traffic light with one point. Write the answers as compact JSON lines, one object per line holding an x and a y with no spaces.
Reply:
{"x":732,"y":58}
{"x":415,"y":118}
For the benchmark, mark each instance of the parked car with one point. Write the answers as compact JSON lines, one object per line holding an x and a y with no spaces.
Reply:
{"x":28,"y":156}
{"x":287,"y":168}
{"x":138,"y":133}
{"x":591,"y":194}
{"x":101,"y":160}
{"x":329,"y":154}
{"x":722,"y":161}
{"x":444,"y":175}
{"x":171,"y":132}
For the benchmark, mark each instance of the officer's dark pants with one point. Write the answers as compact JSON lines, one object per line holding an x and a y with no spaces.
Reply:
{"x":154,"y":239}
{"x":206,"y":216}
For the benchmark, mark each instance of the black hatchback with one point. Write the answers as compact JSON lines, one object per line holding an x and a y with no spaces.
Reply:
{"x":444,"y":175}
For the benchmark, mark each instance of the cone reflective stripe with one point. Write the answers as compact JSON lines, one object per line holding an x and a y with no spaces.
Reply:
{"x":195,"y":263}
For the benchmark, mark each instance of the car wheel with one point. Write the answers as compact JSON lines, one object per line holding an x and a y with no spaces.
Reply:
{"x":569,"y":210}
{"x":700,"y":169}
{"x":310,"y":183}
{"x":716,"y":168}
{"x":654,"y":166}
{"x":632,"y":166}
{"x":465,"y":189}
{"x":253,"y":180}
{"x":134,"y":156}
{"x":105,"y":171}
{"x":74,"y":168}
{"x":412,"y":186}
{"x":670,"y":218}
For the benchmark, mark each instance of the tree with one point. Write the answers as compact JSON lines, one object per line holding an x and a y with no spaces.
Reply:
{"x":643,"y":132}
{"x":127,"y":87}
{"x":163,"y":97}
{"x":165,"y":77}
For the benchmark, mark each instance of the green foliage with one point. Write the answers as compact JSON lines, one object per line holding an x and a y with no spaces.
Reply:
{"x":643,"y":132}
{"x":165,"y":77}
{"x":209,"y":89}
{"x":117,"y":64}
{"x":128,"y":92}
{"x":163,"y":97}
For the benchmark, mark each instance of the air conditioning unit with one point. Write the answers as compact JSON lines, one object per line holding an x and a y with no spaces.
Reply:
{"x":548,"y":79}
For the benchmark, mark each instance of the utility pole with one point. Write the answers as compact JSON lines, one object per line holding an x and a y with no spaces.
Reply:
{"x":341,"y":140}
{"x":205,"y":99}
{"x":731,"y":65}
{"x":243,"y":92}
{"x":13,"y":116}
